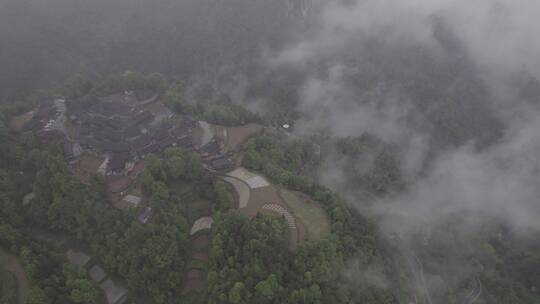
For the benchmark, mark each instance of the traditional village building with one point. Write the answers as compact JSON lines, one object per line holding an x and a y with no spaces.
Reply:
{"x":144,"y":216}
{"x":132,"y":200}
{"x":97,"y":274}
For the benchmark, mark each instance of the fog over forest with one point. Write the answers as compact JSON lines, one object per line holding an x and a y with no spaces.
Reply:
{"x":402,"y":70}
{"x":449,"y":88}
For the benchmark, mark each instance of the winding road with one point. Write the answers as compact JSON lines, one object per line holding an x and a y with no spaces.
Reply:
{"x":475,"y":294}
{"x":417,"y":270}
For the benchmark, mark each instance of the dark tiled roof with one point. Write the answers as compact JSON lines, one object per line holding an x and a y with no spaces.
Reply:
{"x":76,"y":107}
{"x":211,"y":148}
{"x":118,"y":161}
{"x":33,"y":124}
{"x":188,"y":122}
{"x":116,"y":123}
{"x":152,"y":148}
{"x":98,"y":122}
{"x":84,"y":129}
{"x":131,"y":132}
{"x":221,"y":163}
{"x":68,"y":149}
{"x":143,"y":117}
{"x":162,"y":132}
{"x":145,"y":215}
{"x":167,"y":142}
{"x":112,"y":135}
{"x":180,"y":132}
{"x":140,"y":142}
{"x":46,"y":110}
{"x":107,"y":146}
{"x":186,"y":142}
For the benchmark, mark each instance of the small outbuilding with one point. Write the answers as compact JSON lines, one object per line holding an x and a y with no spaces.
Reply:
{"x":97,"y":274}
{"x":114,"y":294}
{"x":77,"y":258}
{"x":144,"y":216}
{"x":132,"y":200}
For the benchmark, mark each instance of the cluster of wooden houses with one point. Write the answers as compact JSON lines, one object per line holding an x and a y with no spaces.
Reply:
{"x":121,"y":129}
{"x":48,"y":122}
{"x":124,"y":133}
{"x":214,"y":157}
{"x":114,"y":292}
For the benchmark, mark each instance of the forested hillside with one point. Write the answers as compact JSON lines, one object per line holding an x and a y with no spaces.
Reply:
{"x":269,"y":151}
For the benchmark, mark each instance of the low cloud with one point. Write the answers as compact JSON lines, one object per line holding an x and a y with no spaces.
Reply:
{"x":501,"y":182}
{"x":497,"y":34}
{"x":346,"y":93}
{"x":328,"y":103}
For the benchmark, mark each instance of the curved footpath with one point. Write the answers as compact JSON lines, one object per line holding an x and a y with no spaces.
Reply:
{"x":11,"y":264}
{"x":242,"y":190}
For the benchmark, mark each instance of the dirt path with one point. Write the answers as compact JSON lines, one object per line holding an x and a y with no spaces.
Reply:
{"x":11,"y":264}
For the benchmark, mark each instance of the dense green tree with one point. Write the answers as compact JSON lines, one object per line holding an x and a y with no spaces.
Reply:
{"x":268,"y":288}
{"x":81,"y":289}
{"x":221,"y":196}
{"x":157,"y":82}
{"x":237,"y":294}
{"x":37,"y":296}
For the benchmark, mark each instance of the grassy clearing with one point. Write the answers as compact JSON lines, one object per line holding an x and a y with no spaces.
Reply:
{"x":236,"y":136}
{"x":310,"y":213}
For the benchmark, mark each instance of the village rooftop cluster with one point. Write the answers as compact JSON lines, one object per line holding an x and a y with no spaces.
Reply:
{"x":121,"y":130}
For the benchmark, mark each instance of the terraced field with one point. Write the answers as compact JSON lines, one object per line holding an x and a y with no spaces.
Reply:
{"x":309,"y":212}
